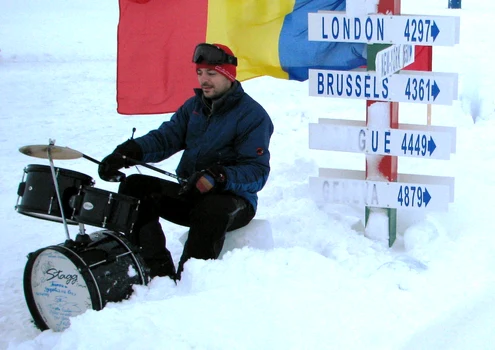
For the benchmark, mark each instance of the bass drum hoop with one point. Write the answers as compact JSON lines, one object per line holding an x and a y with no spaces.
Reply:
{"x":87,"y":275}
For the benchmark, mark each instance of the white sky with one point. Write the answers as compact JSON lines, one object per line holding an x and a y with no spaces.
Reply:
{"x":307,"y":276}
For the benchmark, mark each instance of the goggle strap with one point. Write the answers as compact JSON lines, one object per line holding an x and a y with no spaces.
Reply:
{"x":231,"y":59}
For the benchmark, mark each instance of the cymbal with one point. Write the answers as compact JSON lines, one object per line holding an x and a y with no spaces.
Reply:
{"x":57,"y":152}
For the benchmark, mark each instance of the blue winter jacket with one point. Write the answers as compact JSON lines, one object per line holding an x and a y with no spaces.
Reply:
{"x":234,"y":132}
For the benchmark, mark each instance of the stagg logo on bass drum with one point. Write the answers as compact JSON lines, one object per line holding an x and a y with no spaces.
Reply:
{"x":60,"y":275}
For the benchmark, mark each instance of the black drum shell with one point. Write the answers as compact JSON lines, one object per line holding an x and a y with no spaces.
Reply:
{"x":38,"y":197}
{"x":100,"y":208}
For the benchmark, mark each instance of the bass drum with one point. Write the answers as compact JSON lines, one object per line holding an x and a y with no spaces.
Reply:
{"x":65,"y":280}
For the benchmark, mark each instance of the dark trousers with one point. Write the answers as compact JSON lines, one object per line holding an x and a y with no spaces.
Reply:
{"x":208,"y":216}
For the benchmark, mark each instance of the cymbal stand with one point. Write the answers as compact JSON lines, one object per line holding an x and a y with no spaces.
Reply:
{"x":55,"y":183}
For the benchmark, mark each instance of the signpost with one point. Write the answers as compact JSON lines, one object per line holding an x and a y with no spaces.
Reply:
{"x":391,"y":43}
{"x":327,"y":175}
{"x":378,"y":141}
{"x":384,"y":29}
{"x":380,"y":194}
{"x":407,"y":86}
{"x":393,"y":59}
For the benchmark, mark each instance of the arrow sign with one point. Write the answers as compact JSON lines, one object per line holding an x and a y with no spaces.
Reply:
{"x":393,"y":59}
{"x":383,"y":29}
{"x":435,"y":90}
{"x":374,"y":141}
{"x":431,"y":145}
{"x":407,"y":86}
{"x":435,"y":31}
{"x":426,"y":196}
{"x":379,"y":194}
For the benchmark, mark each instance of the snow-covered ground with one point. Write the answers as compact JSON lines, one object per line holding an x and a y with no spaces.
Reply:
{"x":309,"y":278}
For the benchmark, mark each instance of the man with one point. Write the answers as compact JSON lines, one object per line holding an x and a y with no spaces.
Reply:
{"x":225,"y":135}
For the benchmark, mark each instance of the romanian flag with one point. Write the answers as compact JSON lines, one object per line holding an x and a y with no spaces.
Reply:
{"x":156,"y":40}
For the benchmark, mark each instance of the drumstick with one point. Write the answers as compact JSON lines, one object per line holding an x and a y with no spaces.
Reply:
{"x":142,"y":164}
{"x":91,"y":159}
{"x":155,"y":169}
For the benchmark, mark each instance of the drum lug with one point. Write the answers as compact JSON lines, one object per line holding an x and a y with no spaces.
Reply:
{"x":134,"y":216}
{"x":21,"y":189}
{"x":75,"y":203}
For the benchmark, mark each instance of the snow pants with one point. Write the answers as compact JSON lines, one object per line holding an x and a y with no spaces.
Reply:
{"x":209,"y":216}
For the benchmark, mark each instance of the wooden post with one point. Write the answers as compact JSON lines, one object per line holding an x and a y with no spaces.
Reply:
{"x":428,"y":114}
{"x":387,"y":165}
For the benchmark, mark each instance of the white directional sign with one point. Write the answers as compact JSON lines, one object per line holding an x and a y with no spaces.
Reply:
{"x":375,"y":141}
{"x":392,"y":59}
{"x":380,"y":194}
{"x":383,"y":29}
{"x":407,"y":86}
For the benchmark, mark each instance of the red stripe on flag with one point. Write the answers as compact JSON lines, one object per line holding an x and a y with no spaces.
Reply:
{"x":156,"y":40}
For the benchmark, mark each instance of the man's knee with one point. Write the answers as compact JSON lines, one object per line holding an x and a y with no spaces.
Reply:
{"x":139,"y":186}
{"x":131,"y":186}
{"x":215,"y":207}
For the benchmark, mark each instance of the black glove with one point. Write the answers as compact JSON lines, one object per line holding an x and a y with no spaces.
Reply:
{"x":121,"y":157}
{"x":204,"y":181}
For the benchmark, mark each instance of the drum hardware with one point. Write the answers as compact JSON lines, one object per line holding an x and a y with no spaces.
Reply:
{"x":67,"y":196}
{"x":58,"y":152}
{"x":105,"y":218}
{"x":55,"y":182}
{"x":65,"y":280}
{"x":82,"y":230}
{"x":33,"y":186}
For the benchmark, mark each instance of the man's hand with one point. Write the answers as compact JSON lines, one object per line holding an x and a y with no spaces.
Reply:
{"x":204,"y":181}
{"x":118,"y":159}
{"x":109,"y":168}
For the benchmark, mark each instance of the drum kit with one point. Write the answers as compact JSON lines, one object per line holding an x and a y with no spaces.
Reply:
{"x":64,"y":280}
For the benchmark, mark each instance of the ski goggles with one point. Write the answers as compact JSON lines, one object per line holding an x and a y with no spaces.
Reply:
{"x":212,"y":55}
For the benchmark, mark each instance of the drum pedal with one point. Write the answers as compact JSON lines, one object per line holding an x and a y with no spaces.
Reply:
{"x":83,"y":238}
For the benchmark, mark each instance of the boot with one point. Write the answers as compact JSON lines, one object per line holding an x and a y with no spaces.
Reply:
{"x":161,"y":268}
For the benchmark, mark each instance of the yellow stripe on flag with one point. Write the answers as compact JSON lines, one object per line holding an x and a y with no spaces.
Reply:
{"x":251,"y":28}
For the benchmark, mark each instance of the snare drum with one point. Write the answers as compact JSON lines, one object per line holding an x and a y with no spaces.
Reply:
{"x":65,"y":280}
{"x":105,"y":209}
{"x":38,"y":197}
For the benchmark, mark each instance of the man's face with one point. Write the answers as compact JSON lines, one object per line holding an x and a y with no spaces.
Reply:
{"x":213,"y":84}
